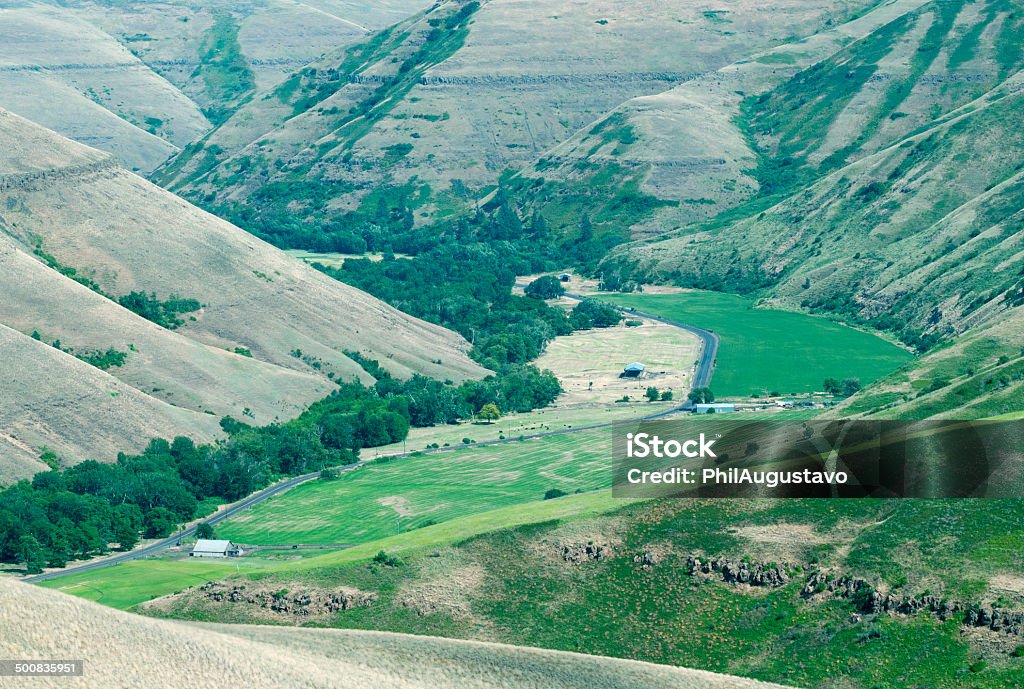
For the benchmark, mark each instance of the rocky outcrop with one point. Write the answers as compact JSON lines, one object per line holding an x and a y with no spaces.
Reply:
{"x":741,"y":572}
{"x":647,"y":559}
{"x":299,"y":603}
{"x":30,"y":181}
{"x":869,"y":600}
{"x":576,"y":553}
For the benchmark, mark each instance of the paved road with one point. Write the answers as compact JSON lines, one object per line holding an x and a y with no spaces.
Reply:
{"x":702,"y":378}
{"x":154,"y":548}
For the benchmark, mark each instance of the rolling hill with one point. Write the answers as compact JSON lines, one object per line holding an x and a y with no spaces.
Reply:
{"x":427,"y":113}
{"x":162,"y":363}
{"x":52,"y":400}
{"x":104,"y":222}
{"x":120,"y":649}
{"x":878,"y":215}
{"x":106,"y":94}
{"x":263,"y":337}
{"x":812,"y":593}
{"x":870,"y":173}
{"x":681,"y":155}
{"x":141,"y":81}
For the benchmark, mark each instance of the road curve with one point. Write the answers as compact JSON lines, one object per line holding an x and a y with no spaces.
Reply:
{"x":701,"y":379}
{"x":709,"y":340}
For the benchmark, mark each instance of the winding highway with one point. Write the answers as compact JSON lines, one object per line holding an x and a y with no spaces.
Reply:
{"x":705,"y":368}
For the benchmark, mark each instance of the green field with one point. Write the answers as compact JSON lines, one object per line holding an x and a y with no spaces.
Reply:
{"x":122,"y":586}
{"x":765,"y":350}
{"x":127,"y":585}
{"x":385,"y":498}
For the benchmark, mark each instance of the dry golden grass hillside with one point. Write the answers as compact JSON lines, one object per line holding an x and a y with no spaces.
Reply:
{"x":119,"y":649}
{"x":127,"y":234}
{"x":48,"y":55}
{"x":53,"y":400}
{"x":441,"y":111}
{"x":161,"y":363}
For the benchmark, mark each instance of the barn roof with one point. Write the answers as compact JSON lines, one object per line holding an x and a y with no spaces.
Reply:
{"x":207,"y":546}
{"x":635,"y":366}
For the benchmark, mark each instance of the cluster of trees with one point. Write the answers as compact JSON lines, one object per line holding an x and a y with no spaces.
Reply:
{"x":653,"y":394}
{"x":842,"y":388}
{"x":166,"y":313}
{"x":701,"y":396}
{"x":80,"y":511}
{"x":468,"y":288}
{"x":545,"y":287}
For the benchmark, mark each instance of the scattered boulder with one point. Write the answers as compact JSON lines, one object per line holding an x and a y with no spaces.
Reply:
{"x":647,"y":559}
{"x":576,"y":553}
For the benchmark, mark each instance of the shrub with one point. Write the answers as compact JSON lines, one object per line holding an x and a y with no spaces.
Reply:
{"x":553,"y":493}
{"x":387,"y":559}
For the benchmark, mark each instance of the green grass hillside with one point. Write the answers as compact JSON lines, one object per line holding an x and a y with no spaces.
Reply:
{"x":127,"y":650}
{"x":764,"y":350}
{"x":977,"y":375}
{"x":528,"y":586}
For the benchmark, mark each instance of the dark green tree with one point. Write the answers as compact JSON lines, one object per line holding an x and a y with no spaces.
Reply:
{"x":545,"y":287}
{"x":31,"y":553}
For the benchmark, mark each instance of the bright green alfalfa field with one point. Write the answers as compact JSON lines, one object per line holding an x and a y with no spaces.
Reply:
{"x":766,"y":350}
{"x":389,"y":497}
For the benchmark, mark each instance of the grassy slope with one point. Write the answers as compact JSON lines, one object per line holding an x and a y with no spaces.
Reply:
{"x":126,"y":650}
{"x":513,"y":586}
{"x":768,"y":350}
{"x":473,"y":118}
{"x":663,"y":161}
{"x":100,"y":105}
{"x":870,"y":205}
{"x":161,"y":363}
{"x":977,"y":375}
{"x":53,"y":400}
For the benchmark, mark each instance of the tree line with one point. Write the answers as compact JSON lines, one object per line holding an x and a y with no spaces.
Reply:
{"x":81,"y":511}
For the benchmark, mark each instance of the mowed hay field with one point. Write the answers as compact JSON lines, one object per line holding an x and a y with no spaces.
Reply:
{"x":562,"y":417}
{"x":124,"y":650}
{"x":127,"y":585}
{"x":384,"y":498}
{"x":588,"y":363}
{"x":765,"y":350}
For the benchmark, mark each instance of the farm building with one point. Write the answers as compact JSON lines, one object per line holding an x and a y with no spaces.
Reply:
{"x":715,"y":408}
{"x":634,"y":370}
{"x":206,"y":548}
{"x":565,"y":277}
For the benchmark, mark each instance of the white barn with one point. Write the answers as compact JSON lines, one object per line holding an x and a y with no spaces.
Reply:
{"x":207,"y":548}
